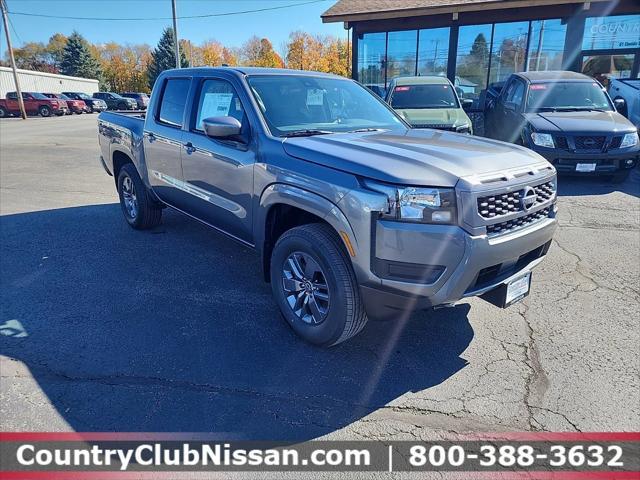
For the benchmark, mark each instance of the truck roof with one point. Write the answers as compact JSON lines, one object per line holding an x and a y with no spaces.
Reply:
{"x":422,"y":80}
{"x":251,"y":71}
{"x":553,"y":76}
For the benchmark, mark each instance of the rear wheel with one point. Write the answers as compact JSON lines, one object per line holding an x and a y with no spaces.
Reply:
{"x":3,"y":112}
{"x":44,"y":111}
{"x":315,"y":287}
{"x":140,"y":211}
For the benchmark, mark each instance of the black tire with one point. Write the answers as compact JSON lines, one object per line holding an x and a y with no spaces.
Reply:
{"x":620,"y":176}
{"x":3,"y":112}
{"x":44,"y":111}
{"x":147,"y":213}
{"x":345,"y":315}
{"x":89,"y":109}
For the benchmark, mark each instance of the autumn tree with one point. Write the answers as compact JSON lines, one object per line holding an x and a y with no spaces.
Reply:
{"x":77,"y":59}
{"x":125,"y":66}
{"x":259,"y":52}
{"x":55,"y":49}
{"x":33,"y":56}
{"x":163,"y":57}
{"x":319,"y":53}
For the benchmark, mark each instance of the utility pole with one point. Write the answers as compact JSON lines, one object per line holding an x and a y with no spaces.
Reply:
{"x":175,"y":33}
{"x":23,"y":112}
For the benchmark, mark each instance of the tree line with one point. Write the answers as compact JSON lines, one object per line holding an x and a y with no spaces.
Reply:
{"x":135,"y":68}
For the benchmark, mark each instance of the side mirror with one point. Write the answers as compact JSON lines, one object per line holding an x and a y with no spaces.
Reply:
{"x":621,"y":106}
{"x":467,"y":103}
{"x":221,"y":127}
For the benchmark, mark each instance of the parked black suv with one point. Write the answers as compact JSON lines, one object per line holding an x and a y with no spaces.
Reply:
{"x":93,"y":104}
{"x":115,"y":101}
{"x":569,"y":119}
{"x":142,"y":99}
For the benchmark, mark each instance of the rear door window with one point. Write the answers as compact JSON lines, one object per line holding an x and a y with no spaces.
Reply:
{"x":174,"y":99}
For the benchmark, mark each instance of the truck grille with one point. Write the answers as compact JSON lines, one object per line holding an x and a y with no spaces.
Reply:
{"x":492,"y":206}
{"x":509,"y":225}
{"x":590,"y":142}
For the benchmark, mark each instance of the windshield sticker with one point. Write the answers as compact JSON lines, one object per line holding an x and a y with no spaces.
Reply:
{"x":215,"y":105}
{"x":538,"y":87}
{"x":315,"y":97}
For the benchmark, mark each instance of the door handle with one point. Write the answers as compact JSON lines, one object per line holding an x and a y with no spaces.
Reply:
{"x":189,"y":148}
{"x":151,"y":137}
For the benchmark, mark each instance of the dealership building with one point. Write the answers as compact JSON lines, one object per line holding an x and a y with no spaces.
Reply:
{"x":478,"y":42}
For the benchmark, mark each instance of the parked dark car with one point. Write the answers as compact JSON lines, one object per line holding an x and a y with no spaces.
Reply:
{"x":34,"y":104}
{"x":378,"y":90}
{"x":142,"y":99}
{"x":93,"y":104}
{"x":115,"y":101}
{"x":75,"y":106}
{"x":569,"y":119}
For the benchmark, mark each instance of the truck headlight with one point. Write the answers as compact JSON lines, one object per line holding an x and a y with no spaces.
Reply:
{"x":543,"y":140}
{"x":629,"y":140}
{"x":418,"y":204}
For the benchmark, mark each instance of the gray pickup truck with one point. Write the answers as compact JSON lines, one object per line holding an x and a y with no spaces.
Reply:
{"x":355,"y":214}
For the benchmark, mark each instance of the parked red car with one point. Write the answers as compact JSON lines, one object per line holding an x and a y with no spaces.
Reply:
{"x":34,"y":104}
{"x":75,"y":106}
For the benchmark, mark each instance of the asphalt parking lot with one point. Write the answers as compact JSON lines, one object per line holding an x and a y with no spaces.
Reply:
{"x":109,"y":329}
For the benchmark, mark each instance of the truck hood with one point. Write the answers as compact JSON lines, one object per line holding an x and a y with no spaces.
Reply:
{"x":592,"y":122}
{"x":414,"y":157}
{"x":434,"y":116}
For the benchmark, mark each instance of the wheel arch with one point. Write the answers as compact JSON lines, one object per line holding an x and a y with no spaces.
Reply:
{"x":284,"y":206}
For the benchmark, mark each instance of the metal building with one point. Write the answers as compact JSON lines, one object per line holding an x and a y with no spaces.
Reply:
{"x":32,"y":81}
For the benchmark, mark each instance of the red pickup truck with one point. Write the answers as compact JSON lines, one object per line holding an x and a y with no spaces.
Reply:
{"x":34,"y":103}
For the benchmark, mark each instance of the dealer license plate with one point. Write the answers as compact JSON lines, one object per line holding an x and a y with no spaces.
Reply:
{"x":585,"y":167}
{"x":518,"y":289}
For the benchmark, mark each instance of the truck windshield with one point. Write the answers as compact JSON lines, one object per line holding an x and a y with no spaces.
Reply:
{"x":423,"y":96}
{"x":567,"y":96}
{"x":306,"y":105}
{"x":84,"y":96}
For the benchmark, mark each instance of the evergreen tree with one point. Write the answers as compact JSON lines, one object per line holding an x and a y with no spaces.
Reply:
{"x":77,"y":59}
{"x":163,"y":57}
{"x":479,"y":50}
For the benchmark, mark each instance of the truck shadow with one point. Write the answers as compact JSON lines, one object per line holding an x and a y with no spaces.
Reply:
{"x":174,"y":330}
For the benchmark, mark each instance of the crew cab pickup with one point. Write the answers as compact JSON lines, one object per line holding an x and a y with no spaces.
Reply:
{"x":355,"y":214}
{"x":34,"y":104}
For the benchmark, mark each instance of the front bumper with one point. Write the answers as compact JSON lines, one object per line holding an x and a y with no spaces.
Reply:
{"x":473,"y":265}
{"x":606,"y":162}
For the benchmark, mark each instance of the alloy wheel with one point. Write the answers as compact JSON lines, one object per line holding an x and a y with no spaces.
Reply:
{"x":129,"y":197}
{"x":305,"y":288}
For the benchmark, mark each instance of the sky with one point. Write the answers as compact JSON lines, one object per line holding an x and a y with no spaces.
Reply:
{"x":231,"y":30}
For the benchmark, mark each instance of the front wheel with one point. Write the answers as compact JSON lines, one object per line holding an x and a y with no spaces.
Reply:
{"x":315,"y":287}
{"x":44,"y":111}
{"x":138,"y":208}
{"x":3,"y":112}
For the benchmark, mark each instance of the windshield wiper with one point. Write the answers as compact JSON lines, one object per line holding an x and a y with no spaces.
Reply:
{"x":360,"y":130}
{"x":307,"y":133}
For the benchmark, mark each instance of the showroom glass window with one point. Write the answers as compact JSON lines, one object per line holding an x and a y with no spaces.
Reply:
{"x":509,"y":50}
{"x":371,"y":59}
{"x":401,"y":54}
{"x":433,"y":51}
{"x":472,"y":60}
{"x":621,"y":32}
{"x":546,"y":45}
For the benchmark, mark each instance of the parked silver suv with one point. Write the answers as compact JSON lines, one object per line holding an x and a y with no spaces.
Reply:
{"x":355,"y":214}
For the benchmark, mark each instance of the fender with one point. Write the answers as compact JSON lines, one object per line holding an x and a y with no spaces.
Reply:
{"x":281,"y":193}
